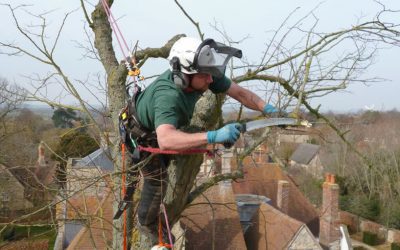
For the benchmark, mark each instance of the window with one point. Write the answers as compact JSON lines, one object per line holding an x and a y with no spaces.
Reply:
{"x":4,"y":196}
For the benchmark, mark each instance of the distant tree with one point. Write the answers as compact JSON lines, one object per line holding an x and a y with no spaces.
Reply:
{"x":73,"y":144}
{"x":63,"y":118}
{"x":25,"y":132}
{"x":370,"y":116}
{"x":11,"y":98}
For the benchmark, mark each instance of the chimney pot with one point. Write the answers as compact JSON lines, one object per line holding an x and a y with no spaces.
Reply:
{"x":327,"y":177}
{"x":332,"y":179}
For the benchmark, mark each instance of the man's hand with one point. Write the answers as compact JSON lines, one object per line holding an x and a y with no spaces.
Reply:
{"x":269,"y":109}
{"x":229,"y":133}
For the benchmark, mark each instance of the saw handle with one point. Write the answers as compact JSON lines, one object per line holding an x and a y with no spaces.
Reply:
{"x":228,"y":145}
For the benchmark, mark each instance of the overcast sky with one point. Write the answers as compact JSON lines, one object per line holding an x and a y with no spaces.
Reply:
{"x":153,"y":22}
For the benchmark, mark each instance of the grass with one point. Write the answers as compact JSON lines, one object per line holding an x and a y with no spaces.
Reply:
{"x":33,"y":233}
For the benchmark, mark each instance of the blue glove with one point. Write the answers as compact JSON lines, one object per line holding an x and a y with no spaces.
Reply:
{"x":229,"y":133}
{"x":269,"y":109}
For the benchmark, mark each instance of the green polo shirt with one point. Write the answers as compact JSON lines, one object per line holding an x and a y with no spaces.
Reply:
{"x":162,"y":102}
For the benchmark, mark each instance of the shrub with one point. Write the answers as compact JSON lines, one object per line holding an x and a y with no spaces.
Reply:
{"x":9,"y":234}
{"x":395,"y":246}
{"x":370,"y":238}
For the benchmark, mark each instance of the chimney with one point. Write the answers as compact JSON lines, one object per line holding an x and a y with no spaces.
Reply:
{"x":329,"y":220}
{"x":226,"y":158}
{"x":41,"y":160}
{"x":283,"y":196}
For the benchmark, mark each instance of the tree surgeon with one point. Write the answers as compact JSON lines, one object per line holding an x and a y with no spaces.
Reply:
{"x":167,"y":105}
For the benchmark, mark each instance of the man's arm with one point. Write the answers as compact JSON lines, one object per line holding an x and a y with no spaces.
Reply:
{"x":169,"y":138}
{"x":246,"y":97}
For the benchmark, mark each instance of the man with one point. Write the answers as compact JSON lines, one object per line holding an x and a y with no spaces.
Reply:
{"x":168,"y":103}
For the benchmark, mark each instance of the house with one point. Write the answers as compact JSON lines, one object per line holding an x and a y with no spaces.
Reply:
{"x":270,"y":181}
{"x":84,"y":210}
{"x":83,"y":172}
{"x":95,"y":233}
{"x":272,"y":211}
{"x":12,"y":193}
{"x":23,"y":187}
{"x":306,"y":156}
{"x":212,"y":221}
{"x":272,"y":229}
{"x":298,"y":136}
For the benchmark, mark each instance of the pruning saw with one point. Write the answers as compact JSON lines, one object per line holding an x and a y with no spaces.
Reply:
{"x":270,"y":122}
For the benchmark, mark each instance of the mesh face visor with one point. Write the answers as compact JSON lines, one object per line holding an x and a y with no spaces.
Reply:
{"x":212,"y":58}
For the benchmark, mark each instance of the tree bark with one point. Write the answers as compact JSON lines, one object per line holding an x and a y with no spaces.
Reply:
{"x":116,"y":76}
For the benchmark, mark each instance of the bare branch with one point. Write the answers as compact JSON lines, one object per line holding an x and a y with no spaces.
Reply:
{"x":196,"y":24}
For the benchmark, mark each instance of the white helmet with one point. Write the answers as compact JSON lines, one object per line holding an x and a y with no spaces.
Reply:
{"x":190,"y":56}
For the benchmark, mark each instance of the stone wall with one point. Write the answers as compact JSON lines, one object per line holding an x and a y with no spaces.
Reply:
{"x":350,"y":220}
{"x":12,"y":193}
{"x":393,"y":236}
{"x":357,"y":224}
{"x":373,"y":227}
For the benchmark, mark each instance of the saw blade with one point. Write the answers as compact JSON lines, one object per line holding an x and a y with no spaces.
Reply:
{"x":268,"y":122}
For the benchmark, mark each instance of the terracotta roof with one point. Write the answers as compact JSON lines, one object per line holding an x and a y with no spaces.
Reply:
{"x":213,"y":217}
{"x":99,"y":236}
{"x":80,"y":207}
{"x":263,"y":180}
{"x":271,"y":229}
{"x":83,"y":205}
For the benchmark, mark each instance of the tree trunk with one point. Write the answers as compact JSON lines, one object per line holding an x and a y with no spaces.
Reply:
{"x":116,"y":77}
{"x":183,"y":170}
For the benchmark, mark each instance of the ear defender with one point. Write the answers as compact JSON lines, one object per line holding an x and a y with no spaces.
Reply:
{"x":177,"y":75}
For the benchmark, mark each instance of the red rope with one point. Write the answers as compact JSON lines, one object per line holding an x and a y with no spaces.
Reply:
{"x":164,"y":211}
{"x":176,"y":152}
{"x":117,"y":31}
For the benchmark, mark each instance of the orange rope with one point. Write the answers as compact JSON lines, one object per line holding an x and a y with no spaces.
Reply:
{"x":160,"y":238}
{"x":123,"y":194}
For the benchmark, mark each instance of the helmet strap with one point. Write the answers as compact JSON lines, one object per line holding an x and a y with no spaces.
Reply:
{"x":189,"y":86}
